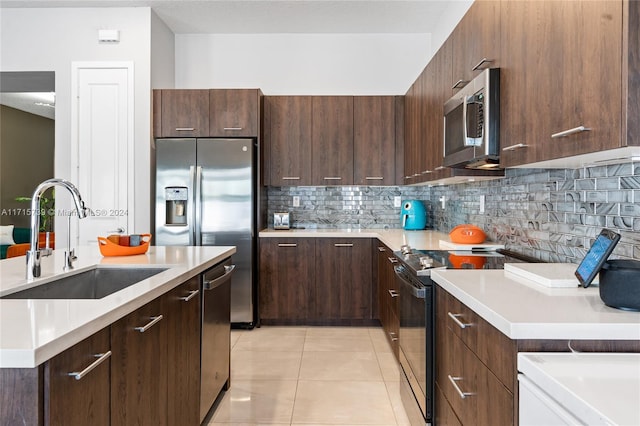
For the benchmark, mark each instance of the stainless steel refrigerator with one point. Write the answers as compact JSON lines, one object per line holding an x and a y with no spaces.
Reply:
{"x":205,"y":195}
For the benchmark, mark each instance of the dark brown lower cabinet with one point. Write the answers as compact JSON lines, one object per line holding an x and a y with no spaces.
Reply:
{"x":287,"y":279}
{"x":388,"y":296}
{"x":343,"y":280}
{"x":476,"y":372}
{"x":316,"y":281}
{"x":139,"y":367}
{"x":82,"y":398}
{"x":182,"y":306}
{"x":49,"y":395}
{"x":147,"y":372}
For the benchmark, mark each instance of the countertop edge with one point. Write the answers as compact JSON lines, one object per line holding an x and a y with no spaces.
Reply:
{"x":539,"y":330}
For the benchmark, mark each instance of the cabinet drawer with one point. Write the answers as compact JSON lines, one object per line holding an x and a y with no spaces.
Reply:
{"x":493,"y":348}
{"x":443,"y":411}
{"x":475,"y":393}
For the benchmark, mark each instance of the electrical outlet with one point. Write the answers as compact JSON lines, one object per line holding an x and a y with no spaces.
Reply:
{"x":296,"y":201}
{"x":397,"y":201}
{"x":482,"y":204}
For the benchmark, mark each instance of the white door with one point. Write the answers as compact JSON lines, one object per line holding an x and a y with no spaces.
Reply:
{"x":104,"y":99}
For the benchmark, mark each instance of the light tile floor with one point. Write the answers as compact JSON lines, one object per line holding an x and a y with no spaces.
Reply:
{"x":311,"y":376}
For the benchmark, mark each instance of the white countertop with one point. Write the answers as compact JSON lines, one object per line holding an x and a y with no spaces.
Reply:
{"x":33,"y":331}
{"x":525,"y":310}
{"x":393,"y":238}
{"x":599,"y":388}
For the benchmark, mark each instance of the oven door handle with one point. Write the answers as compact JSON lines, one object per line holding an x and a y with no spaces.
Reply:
{"x":418,"y":293}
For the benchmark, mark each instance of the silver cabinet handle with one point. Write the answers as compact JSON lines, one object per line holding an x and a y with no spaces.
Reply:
{"x":393,"y":293}
{"x":332,"y":178}
{"x":453,"y":381}
{"x":343,"y":245}
{"x":440,"y":168}
{"x":455,"y":319}
{"x":210,"y":285}
{"x":569,"y":132}
{"x":481,"y":63}
{"x":515,"y":147}
{"x":101,"y":358}
{"x":192,"y":294}
{"x":154,"y":321}
{"x":392,"y":259}
{"x":287,"y":245}
{"x":382,"y":249}
{"x":459,"y":84}
{"x":393,"y":337}
{"x":184,"y":129}
{"x":374,"y":178}
{"x":426,"y":172}
{"x":232,"y":128}
{"x":119,"y":230}
{"x":415,"y":175}
{"x":291,"y":178}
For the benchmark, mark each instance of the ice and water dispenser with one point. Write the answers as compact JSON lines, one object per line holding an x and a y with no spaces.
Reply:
{"x":176,"y":205}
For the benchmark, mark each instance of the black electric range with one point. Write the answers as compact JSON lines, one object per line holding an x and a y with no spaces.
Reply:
{"x":422,"y":262}
{"x":416,"y":293}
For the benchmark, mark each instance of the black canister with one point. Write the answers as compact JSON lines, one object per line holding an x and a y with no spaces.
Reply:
{"x":620,"y":284}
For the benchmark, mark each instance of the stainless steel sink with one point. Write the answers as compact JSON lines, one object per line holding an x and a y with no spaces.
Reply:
{"x":93,"y":284}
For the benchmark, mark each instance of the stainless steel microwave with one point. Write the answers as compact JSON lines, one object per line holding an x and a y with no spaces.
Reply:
{"x":472,"y":124}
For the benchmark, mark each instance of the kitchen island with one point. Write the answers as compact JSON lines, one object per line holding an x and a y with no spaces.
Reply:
{"x":33,"y":331}
{"x":112,"y":359}
{"x":485,"y":318}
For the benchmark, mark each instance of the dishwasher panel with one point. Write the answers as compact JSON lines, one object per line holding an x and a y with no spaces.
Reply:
{"x":216,"y":334}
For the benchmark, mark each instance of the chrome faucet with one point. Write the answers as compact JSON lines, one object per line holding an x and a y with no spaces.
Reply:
{"x":34,"y":255}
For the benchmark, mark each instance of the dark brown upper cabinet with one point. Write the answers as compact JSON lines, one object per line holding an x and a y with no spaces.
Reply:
{"x":234,"y":112}
{"x":288,"y":138}
{"x":568,"y":98}
{"x":181,"y":113}
{"x":476,"y":42}
{"x":332,"y":140}
{"x":374,"y":140}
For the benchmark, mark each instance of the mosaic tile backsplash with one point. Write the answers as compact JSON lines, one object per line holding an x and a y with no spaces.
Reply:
{"x":552,"y":215}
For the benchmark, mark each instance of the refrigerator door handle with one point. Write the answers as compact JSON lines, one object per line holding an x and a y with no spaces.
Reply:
{"x":198,"y":209}
{"x":192,"y":205}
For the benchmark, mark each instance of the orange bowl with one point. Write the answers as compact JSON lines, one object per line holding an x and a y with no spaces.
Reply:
{"x":108,"y":248}
{"x":467,"y":234}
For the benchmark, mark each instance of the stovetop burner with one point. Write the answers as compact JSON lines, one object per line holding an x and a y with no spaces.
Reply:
{"x":422,"y":262}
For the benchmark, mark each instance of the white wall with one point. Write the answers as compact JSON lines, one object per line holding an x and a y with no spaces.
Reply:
{"x":163,"y":53}
{"x":448,"y":21}
{"x":302,"y":64}
{"x":50,"y":40}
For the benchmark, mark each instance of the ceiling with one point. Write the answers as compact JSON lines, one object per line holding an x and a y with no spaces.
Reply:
{"x":278,"y":16}
{"x":38,"y":103}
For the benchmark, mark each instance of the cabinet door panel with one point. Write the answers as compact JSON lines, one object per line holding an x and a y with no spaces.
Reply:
{"x":374,"y":140}
{"x":343,"y":279}
{"x":476,"y":38}
{"x":585,"y":88}
{"x":233,"y":112}
{"x":183,"y":345}
{"x":289,"y":140}
{"x":286,"y":278}
{"x":79,"y":402}
{"x":332,"y":140}
{"x":185,"y":113}
{"x":139,"y":368}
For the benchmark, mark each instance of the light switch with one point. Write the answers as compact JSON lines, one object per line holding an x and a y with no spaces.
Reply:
{"x":397,"y":201}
